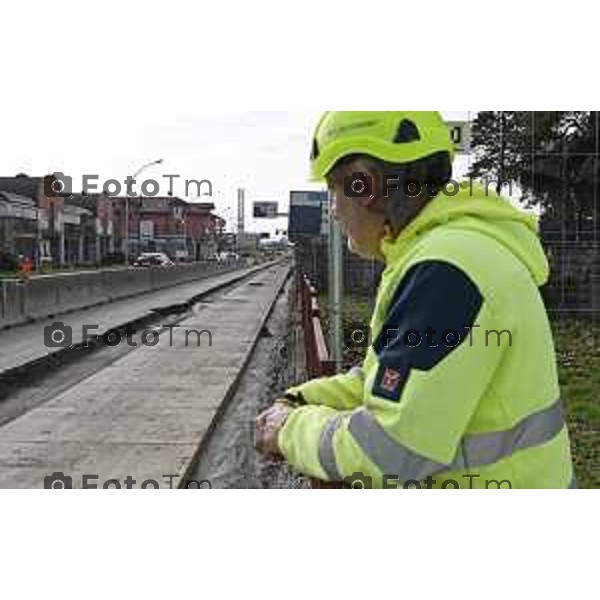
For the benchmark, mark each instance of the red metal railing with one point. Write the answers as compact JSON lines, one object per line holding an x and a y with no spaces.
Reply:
{"x":318,"y":362}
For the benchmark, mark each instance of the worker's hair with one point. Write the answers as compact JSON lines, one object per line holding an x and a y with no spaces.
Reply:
{"x":428,"y":175}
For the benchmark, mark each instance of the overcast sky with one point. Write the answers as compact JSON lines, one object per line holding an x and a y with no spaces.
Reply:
{"x":264,"y":152}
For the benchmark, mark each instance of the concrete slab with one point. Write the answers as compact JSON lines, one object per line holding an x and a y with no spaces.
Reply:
{"x":25,"y":465}
{"x":146,"y":414}
{"x":159,"y":426}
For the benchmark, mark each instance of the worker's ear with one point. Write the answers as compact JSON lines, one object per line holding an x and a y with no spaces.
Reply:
{"x":371,"y":177}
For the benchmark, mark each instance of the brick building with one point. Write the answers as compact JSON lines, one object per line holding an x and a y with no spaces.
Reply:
{"x":97,"y":226}
{"x":181,"y":229}
{"x":42,"y":227}
{"x":18,"y":225}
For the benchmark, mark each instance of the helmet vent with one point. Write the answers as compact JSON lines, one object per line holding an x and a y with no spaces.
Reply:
{"x":407,"y":132}
{"x":314,"y":153}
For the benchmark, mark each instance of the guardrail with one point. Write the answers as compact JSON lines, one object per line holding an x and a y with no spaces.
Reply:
{"x":318,"y":361}
{"x":46,"y":296}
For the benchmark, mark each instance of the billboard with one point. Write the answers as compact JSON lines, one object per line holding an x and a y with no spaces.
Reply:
{"x":460,"y":132}
{"x":308,"y":213}
{"x":265,"y":210}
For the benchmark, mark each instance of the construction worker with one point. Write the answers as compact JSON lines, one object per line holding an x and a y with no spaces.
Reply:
{"x":459,"y":386}
{"x":25,"y":266}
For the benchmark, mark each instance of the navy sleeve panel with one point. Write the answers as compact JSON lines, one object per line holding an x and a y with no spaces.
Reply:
{"x":431,"y":314}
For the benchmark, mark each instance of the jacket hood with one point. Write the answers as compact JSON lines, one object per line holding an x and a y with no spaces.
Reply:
{"x":480,"y":210}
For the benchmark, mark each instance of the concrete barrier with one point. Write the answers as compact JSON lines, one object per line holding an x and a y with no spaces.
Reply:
{"x":12,"y":303}
{"x":82,"y":289}
{"x":3,"y":304}
{"x":48,"y":295}
{"x":41,"y":296}
{"x":165,"y":277}
{"x":122,"y":283}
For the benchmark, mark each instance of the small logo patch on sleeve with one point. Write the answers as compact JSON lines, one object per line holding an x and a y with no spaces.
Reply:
{"x":390,"y":380}
{"x":389,"y":383}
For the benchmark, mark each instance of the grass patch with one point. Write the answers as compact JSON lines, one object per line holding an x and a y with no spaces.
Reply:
{"x":578,"y":355}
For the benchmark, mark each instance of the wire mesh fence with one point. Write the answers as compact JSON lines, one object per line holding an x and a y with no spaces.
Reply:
{"x":569,"y":234}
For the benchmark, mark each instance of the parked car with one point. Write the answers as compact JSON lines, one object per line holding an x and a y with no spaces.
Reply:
{"x":152,"y":259}
{"x":225,"y":256}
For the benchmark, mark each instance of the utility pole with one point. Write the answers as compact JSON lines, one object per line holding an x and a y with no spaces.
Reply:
{"x":336,"y":288}
{"x":502,"y":151}
{"x":241,"y":218}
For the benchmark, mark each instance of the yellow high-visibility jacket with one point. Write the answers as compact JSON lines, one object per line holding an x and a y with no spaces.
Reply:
{"x":459,"y":386}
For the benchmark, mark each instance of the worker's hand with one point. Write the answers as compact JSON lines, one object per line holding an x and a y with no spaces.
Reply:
{"x":268,"y":425}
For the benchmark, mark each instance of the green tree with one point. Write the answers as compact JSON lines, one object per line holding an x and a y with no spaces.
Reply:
{"x":551,"y":156}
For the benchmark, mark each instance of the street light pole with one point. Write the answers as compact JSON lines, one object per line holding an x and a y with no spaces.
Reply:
{"x":142,"y":168}
{"x":185,"y":246}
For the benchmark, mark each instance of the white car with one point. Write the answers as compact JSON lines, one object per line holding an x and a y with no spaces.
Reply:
{"x":224,"y":256}
{"x":149,"y":259}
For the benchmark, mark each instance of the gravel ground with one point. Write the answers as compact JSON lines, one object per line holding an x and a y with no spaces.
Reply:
{"x":229,"y":459}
